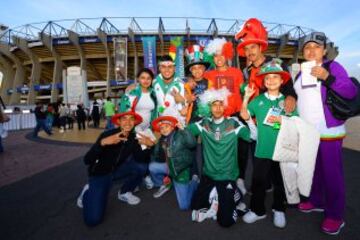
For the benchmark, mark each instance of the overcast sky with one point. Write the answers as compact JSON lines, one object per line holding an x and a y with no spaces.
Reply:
{"x":340,"y":20}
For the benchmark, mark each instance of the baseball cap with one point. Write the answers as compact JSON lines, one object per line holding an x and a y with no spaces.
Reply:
{"x":318,"y":37}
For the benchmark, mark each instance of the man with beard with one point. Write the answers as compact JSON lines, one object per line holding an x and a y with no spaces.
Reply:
{"x":253,"y":43}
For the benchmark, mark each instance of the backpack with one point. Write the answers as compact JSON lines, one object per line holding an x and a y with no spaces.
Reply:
{"x":342,"y":108}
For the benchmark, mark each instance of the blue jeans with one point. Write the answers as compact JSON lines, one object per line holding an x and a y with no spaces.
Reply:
{"x":184,"y":193}
{"x":109,"y":124}
{"x":157,"y":172}
{"x":95,"y":198}
{"x":41,"y":123}
{"x":49,"y":121}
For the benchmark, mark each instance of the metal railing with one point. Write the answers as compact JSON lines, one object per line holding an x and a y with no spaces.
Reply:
{"x":144,"y":25}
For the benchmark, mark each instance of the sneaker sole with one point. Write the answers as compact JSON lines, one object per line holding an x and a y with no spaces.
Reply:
{"x":259,"y":218}
{"x":311,"y":210}
{"x":79,"y":203}
{"x":335,"y":233}
{"x":130,"y":203}
{"x":160,"y":195}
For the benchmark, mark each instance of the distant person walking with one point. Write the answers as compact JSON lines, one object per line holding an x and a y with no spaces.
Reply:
{"x":40,"y":120}
{"x":80,"y":116}
{"x":63,"y":111}
{"x":95,"y":114}
{"x":109,"y":108}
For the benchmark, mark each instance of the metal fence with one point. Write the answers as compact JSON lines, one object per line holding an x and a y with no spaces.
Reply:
{"x":144,"y":26}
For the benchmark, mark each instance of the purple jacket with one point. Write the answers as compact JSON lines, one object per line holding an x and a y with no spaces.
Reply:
{"x":340,"y":82}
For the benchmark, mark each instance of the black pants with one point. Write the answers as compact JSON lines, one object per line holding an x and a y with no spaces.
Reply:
{"x":81,"y":123}
{"x":228,"y":196}
{"x":70,"y":121}
{"x":96,"y":120}
{"x":244,"y":148}
{"x":262,"y":169}
{"x":243,"y":155}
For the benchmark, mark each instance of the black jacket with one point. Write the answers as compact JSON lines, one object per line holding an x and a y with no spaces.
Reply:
{"x":39,"y":113}
{"x":80,"y":114}
{"x":102,"y":160}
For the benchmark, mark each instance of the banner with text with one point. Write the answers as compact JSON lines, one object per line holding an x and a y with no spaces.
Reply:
{"x":120,"y":57}
{"x":149,"y":49}
{"x":75,"y":86}
{"x":176,"y":51}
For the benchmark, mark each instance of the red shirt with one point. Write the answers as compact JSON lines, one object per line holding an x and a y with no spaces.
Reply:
{"x":232,"y":79}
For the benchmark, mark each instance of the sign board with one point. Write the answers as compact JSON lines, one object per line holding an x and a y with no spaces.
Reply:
{"x":120,"y":57}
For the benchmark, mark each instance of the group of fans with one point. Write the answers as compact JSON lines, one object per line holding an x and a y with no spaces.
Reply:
{"x":196,"y":137}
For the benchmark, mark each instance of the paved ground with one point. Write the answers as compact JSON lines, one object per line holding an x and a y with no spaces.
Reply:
{"x":23,"y":158}
{"x":43,"y":206}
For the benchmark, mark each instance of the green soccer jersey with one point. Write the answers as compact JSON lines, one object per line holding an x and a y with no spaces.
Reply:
{"x":219,"y":142}
{"x":267,"y":135}
{"x":109,"y":108}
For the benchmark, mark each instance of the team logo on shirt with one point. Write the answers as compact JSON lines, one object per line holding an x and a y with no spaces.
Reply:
{"x":261,"y":103}
{"x":281,"y":104}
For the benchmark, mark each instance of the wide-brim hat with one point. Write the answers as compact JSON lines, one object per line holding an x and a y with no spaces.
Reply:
{"x":187,"y":67}
{"x":168,"y":119}
{"x":240,"y":46}
{"x":252,"y":31}
{"x":115,"y":119}
{"x":284,"y":75}
{"x":274,"y":67}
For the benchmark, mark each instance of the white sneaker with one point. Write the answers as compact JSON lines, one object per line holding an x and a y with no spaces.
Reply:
{"x":279,"y":219}
{"x":162,"y":190}
{"x":211,"y":213}
{"x":241,"y":207}
{"x":129,"y":198}
{"x":137,"y":189}
{"x":61,"y":130}
{"x":251,"y":217}
{"x":79,"y":201}
{"x":199,"y":215}
{"x":195,"y":178}
{"x":148,"y":182}
{"x":241,"y":185}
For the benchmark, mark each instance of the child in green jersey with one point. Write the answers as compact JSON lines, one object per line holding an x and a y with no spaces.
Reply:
{"x":267,"y":108}
{"x":218,"y":196}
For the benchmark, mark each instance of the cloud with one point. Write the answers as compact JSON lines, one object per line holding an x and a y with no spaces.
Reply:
{"x":350,"y":54}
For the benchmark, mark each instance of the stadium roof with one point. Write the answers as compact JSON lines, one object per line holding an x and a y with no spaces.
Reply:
{"x":144,"y":26}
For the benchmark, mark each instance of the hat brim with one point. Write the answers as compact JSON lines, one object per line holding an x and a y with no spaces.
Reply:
{"x":156,"y":123}
{"x":115,"y":119}
{"x":187,"y":67}
{"x":284,"y":75}
{"x":240,"y":47}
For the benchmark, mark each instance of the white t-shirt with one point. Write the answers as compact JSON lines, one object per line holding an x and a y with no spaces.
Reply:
{"x":311,"y":109}
{"x":144,"y":108}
